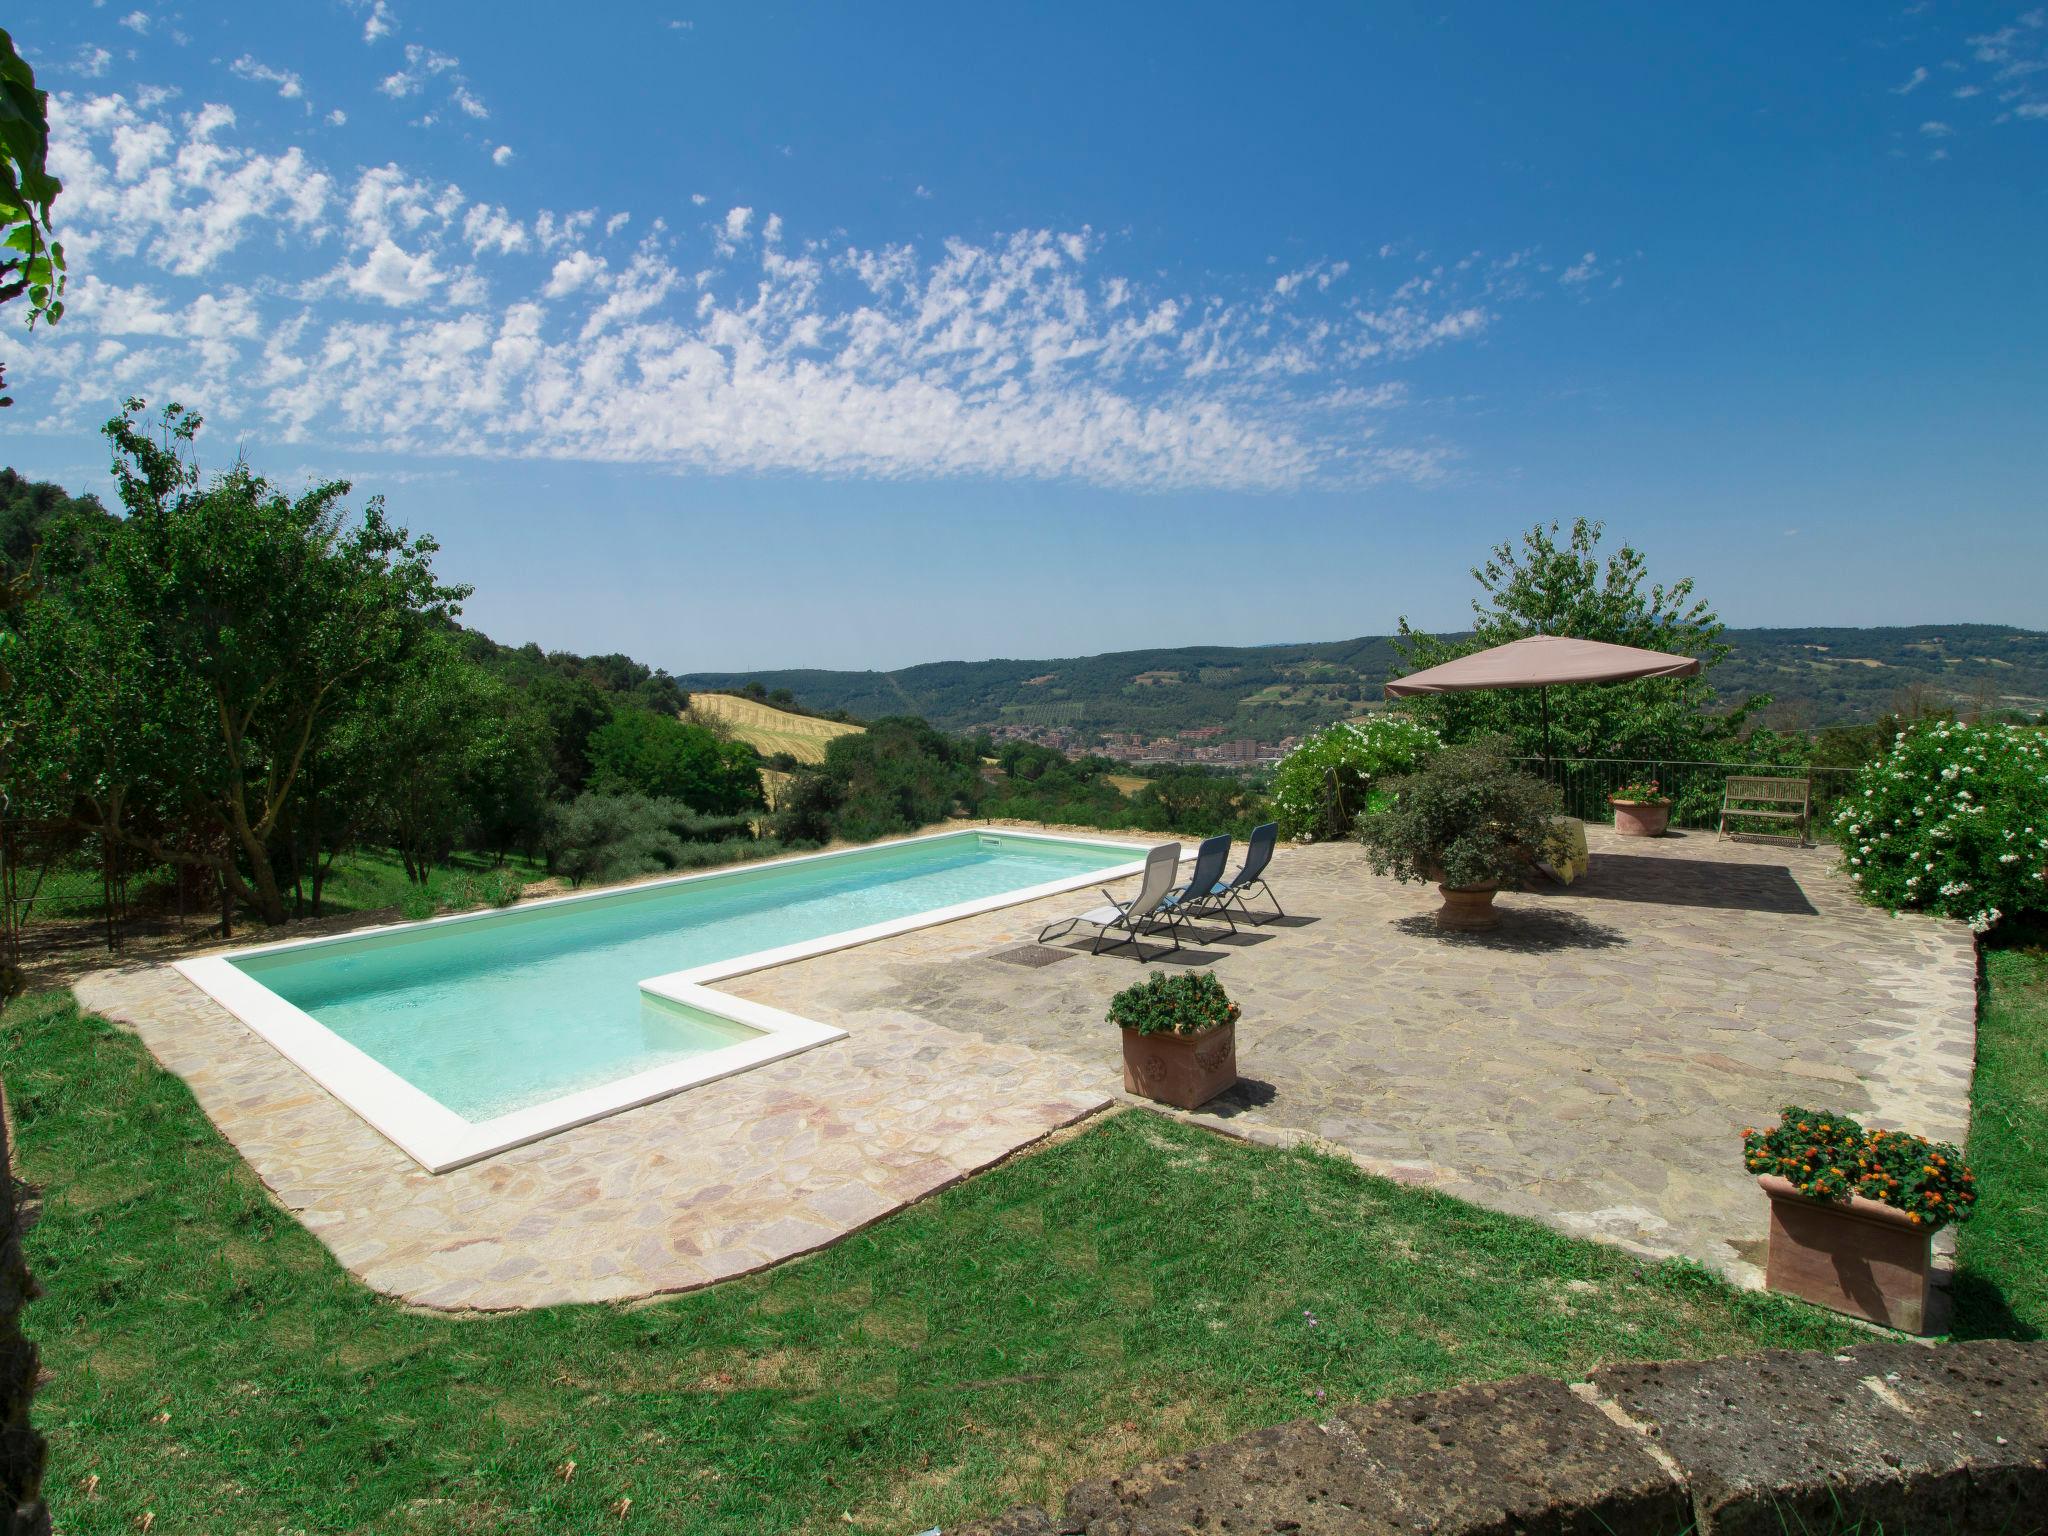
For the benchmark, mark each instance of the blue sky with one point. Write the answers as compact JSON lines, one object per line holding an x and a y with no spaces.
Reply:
{"x":857,"y":336}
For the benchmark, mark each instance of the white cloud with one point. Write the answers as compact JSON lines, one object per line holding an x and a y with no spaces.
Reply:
{"x":337,"y":118}
{"x":469,"y":102}
{"x":288,"y":84}
{"x":572,"y":272}
{"x":1935,"y":130}
{"x":502,"y":155}
{"x":92,"y":62}
{"x":921,"y":190}
{"x":136,"y":21}
{"x":1912,"y":83}
{"x":1584,"y":270}
{"x":379,"y":22}
{"x":394,"y":276}
{"x":398,"y":85}
{"x":387,"y":311}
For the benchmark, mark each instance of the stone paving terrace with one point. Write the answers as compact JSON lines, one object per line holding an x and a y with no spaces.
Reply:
{"x":1590,"y":1064}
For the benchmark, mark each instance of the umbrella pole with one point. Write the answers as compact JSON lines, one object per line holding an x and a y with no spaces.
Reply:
{"x":1544,"y":693}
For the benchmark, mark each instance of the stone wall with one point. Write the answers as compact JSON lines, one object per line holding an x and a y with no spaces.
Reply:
{"x":1897,"y":1437}
{"x":21,"y":1448}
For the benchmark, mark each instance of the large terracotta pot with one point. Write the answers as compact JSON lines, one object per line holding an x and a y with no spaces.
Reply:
{"x":1857,"y":1256}
{"x":1186,"y":1071}
{"x":1466,"y":908}
{"x":1641,"y":818}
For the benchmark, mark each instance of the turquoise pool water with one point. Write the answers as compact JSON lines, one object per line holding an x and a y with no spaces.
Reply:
{"x":498,"y":1013}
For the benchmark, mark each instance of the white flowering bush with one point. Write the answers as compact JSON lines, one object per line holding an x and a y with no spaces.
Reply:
{"x":1954,"y":819}
{"x":1320,"y":787}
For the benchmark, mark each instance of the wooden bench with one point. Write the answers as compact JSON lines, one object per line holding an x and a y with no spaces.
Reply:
{"x":1768,"y":800}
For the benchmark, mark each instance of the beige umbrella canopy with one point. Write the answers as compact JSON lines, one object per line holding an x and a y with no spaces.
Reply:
{"x":1540,"y":661}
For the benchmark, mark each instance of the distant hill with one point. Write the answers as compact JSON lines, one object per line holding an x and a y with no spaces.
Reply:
{"x":769,"y":730}
{"x":1263,"y":693}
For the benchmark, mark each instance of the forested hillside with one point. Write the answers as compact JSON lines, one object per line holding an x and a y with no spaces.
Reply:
{"x":1816,"y":677}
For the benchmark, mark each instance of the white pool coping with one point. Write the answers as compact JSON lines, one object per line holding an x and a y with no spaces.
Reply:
{"x":439,"y":1139}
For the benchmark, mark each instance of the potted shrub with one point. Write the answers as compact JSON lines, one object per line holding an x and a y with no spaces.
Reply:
{"x":1470,"y":821}
{"x":1641,"y":809}
{"x":1852,"y":1212}
{"x":1180,"y":1038}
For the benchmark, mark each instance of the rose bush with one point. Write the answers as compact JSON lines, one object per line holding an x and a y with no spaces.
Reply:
{"x":1953,"y":820}
{"x":1323,"y":785}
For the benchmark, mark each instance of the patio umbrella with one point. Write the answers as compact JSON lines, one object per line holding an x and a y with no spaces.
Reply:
{"x":1538,"y":662}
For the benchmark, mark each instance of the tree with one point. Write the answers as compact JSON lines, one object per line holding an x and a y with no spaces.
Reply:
{"x":449,"y":752}
{"x":33,"y":263}
{"x":640,"y":752}
{"x":205,"y":651}
{"x":1547,"y":588}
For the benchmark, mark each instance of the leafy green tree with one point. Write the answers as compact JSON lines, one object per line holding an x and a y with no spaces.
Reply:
{"x":896,"y":776}
{"x":30,"y":511}
{"x":31,"y":262}
{"x":452,"y":754}
{"x":1547,"y":587}
{"x":640,"y":752}
{"x":213,"y":642}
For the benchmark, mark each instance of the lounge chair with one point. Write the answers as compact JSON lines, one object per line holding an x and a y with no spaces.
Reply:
{"x":1130,"y":917}
{"x":1205,"y":894}
{"x":1258,"y":854}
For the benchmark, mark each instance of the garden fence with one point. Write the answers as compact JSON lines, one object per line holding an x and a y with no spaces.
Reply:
{"x":1695,"y":788}
{"x":63,"y":888}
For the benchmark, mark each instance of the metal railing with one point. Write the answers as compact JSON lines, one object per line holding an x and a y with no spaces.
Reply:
{"x":1695,"y":788}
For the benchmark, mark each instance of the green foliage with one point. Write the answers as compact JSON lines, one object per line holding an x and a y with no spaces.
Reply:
{"x":1831,"y":1157}
{"x":1548,"y":588}
{"x":1641,"y":792}
{"x":639,"y":752}
{"x":1043,"y":785}
{"x":1323,"y":786}
{"x":1180,"y":1003}
{"x":31,"y":262}
{"x":200,"y":658}
{"x":31,"y":511}
{"x":1954,"y":820}
{"x":604,"y":838}
{"x":896,"y":776}
{"x":446,"y":753}
{"x":1468,"y":816}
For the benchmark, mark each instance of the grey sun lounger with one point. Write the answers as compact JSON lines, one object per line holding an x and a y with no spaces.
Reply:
{"x":1258,"y":854}
{"x":1130,"y":918}
{"x":1205,"y":894}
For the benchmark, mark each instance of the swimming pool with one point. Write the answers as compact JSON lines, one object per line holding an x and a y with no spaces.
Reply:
{"x":462,"y":1036}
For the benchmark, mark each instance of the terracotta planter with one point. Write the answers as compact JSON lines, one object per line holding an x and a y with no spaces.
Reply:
{"x":1857,"y":1256}
{"x":1185,"y":1071}
{"x":1466,"y":908}
{"x":1641,"y":818}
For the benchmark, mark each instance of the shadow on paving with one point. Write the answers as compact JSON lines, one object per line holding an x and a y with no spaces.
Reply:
{"x":1523,"y":930}
{"x":1692,"y":883}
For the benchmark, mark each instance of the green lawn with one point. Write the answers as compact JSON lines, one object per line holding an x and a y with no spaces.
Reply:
{"x":2002,"y":1287}
{"x":1138,"y":1288}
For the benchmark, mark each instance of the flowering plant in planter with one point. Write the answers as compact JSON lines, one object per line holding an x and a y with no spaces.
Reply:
{"x":1642,"y":792}
{"x":1189,"y":1003}
{"x":1831,"y":1157}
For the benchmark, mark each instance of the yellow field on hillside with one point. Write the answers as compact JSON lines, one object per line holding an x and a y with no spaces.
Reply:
{"x":769,"y":730}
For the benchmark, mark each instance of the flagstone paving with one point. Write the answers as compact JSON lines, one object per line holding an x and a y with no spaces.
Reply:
{"x":1590,"y":1064}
